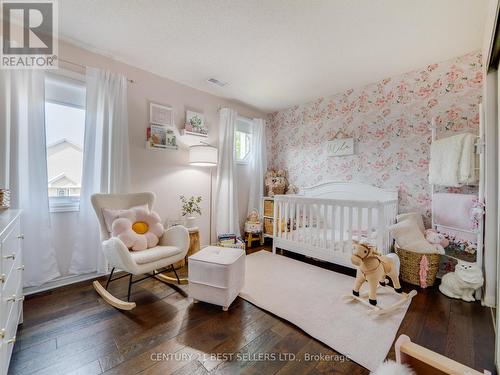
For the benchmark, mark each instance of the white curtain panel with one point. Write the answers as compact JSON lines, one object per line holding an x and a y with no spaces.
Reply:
{"x":226,"y":200}
{"x":106,"y":165}
{"x":24,"y":105}
{"x":257,"y":165}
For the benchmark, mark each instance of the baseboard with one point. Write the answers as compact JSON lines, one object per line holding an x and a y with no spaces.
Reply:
{"x":61,"y":281}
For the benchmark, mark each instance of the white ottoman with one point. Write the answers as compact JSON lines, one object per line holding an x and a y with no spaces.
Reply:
{"x":216,"y":275}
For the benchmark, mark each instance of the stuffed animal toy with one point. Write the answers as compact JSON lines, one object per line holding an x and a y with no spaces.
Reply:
{"x":373,"y":268}
{"x":437,"y":239}
{"x":292,"y":189}
{"x":393,"y":368}
{"x":275,"y":182}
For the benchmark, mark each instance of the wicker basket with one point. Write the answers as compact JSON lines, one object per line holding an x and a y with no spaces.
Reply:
{"x":410,"y":266}
{"x":268,"y":207}
{"x":268,"y":226}
{"x":4,"y":198}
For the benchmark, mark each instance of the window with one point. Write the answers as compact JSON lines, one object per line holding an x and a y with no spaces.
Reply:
{"x":242,"y":140}
{"x":64,"y":131}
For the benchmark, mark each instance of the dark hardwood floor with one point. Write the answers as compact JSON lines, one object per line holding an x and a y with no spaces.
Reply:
{"x":71,"y":330}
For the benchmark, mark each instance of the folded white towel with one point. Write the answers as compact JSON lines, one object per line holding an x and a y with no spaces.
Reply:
{"x":467,"y":172}
{"x":446,"y":154}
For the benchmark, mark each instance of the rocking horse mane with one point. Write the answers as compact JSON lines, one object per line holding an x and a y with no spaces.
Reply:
{"x":372,"y":249}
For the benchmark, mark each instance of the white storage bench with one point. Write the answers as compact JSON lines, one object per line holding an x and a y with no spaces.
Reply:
{"x":216,"y":275}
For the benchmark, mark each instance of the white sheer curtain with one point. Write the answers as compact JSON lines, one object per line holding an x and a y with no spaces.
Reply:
{"x":23,"y":124}
{"x":105,"y":161}
{"x":257,"y":165}
{"x":226,"y":200}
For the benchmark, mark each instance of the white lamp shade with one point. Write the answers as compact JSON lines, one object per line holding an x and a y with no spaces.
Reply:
{"x":203,"y":155}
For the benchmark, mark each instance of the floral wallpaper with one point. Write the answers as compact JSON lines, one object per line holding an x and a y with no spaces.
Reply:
{"x":389,"y":122}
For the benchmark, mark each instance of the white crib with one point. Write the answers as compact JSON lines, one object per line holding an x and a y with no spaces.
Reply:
{"x":323,"y":220}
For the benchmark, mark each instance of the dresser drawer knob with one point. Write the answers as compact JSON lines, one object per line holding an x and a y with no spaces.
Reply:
{"x":21,"y":237}
{"x":11,"y":256}
{"x":21,"y":268}
{"x":12,"y":340}
{"x":2,"y":333}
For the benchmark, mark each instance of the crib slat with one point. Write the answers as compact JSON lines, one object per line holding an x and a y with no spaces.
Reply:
{"x":318,"y":225}
{"x":304,"y":222}
{"x":360,"y":221}
{"x":310,"y":229}
{"x":280,"y":219}
{"x":380,"y":228}
{"x":341,"y":227}
{"x":334,"y":214}
{"x":286,"y":221}
{"x":325,"y":226}
{"x":349,"y":242}
{"x":295,"y":236}
{"x":369,"y":230}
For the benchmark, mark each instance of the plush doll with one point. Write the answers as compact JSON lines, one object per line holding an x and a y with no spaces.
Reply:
{"x":437,"y":239}
{"x":373,"y":268}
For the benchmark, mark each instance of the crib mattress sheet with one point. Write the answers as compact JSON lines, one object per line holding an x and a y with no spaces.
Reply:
{"x":314,"y":235}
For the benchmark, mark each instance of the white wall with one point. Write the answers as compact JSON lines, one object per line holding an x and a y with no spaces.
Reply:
{"x":167,"y":172}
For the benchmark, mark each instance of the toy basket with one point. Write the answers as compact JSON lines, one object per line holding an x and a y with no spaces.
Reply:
{"x":268,"y":207}
{"x":4,"y":198}
{"x":410,"y":266}
{"x":268,"y":226}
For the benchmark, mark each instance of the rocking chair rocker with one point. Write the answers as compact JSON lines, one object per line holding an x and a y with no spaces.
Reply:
{"x":173,"y":247}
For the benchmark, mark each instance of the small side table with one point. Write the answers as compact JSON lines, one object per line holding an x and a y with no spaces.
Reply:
{"x":254,"y":236}
{"x":194,"y":246}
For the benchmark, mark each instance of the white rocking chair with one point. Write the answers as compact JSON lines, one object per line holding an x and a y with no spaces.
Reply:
{"x":173,"y":247}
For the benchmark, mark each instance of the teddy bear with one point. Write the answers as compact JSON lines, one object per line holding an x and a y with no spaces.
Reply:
{"x":437,"y":239}
{"x":276,"y":182}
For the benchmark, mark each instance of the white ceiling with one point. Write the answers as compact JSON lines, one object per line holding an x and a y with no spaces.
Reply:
{"x":275,"y":53}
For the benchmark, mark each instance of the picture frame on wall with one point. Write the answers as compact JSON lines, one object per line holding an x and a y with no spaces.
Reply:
{"x":161,"y":114}
{"x":340,"y":147}
{"x":162,"y":137}
{"x":195,"y":123}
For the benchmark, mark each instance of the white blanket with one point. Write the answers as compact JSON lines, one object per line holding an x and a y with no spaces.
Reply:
{"x":453,"y":161}
{"x":467,"y":173}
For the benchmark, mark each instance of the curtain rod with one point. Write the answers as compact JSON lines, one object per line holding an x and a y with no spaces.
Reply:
{"x":85,"y":67}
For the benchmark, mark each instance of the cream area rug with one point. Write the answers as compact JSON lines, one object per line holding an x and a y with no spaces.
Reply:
{"x":311,"y":298}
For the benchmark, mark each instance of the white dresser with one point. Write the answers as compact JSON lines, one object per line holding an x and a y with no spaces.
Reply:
{"x":11,"y":284}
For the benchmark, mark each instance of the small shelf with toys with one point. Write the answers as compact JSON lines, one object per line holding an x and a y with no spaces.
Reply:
{"x":276,"y":183}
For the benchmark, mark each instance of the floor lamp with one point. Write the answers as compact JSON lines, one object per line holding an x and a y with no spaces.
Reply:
{"x":204,"y":155}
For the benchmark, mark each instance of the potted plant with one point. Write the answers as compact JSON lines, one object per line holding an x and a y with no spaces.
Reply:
{"x":190,"y":207}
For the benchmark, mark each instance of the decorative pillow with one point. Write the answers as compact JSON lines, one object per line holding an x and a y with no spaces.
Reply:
{"x":111,"y":214}
{"x":408,"y":235}
{"x":138,"y":228}
{"x":417,"y":216}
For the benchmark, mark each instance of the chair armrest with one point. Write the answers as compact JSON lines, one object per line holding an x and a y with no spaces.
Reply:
{"x":118,"y":255}
{"x":176,"y":236}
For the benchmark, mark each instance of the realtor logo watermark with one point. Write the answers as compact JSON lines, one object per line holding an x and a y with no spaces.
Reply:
{"x":29,"y":34}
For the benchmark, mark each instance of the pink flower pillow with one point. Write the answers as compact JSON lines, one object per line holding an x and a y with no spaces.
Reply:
{"x":138,"y":228}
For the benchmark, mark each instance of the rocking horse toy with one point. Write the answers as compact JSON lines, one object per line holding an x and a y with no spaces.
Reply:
{"x":373,"y":268}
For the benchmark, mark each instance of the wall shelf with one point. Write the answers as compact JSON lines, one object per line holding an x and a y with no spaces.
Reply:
{"x":186,"y":132}
{"x":149,"y":147}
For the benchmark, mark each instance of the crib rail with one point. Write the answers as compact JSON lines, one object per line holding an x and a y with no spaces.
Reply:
{"x":326,"y":228}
